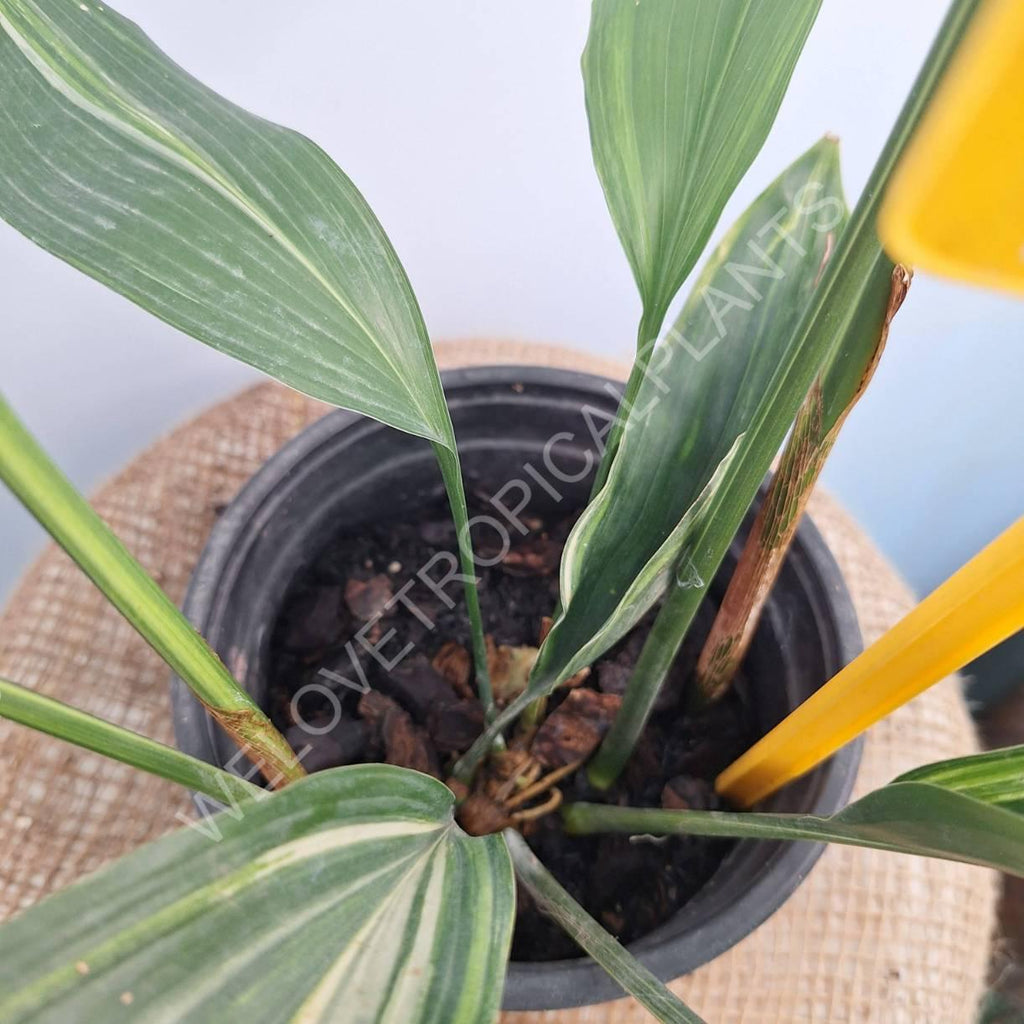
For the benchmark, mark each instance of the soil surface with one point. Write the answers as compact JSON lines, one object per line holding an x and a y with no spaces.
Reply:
{"x":423,"y":713}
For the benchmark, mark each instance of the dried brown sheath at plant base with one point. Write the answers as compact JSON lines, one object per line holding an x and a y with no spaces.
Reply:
{"x":817,"y":426}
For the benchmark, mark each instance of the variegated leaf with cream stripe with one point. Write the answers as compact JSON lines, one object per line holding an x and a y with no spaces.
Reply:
{"x":351,"y":895}
{"x":239,"y":232}
{"x":656,"y":525}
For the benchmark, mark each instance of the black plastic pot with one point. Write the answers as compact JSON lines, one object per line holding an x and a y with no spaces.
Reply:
{"x":346,"y":470}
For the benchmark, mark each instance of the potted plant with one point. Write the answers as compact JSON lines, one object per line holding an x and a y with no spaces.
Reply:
{"x":375,"y":891}
{"x":331,"y":610}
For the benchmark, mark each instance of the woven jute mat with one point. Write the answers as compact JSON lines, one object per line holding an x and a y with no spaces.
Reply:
{"x":869,"y":937}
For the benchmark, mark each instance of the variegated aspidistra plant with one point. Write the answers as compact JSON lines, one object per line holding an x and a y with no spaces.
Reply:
{"x":354,"y":894}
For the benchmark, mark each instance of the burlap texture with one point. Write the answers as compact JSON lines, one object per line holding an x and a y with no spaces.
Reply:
{"x":869,"y":937}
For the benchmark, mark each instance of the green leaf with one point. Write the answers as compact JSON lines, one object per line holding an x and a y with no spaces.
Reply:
{"x":733,"y":332}
{"x":996,"y":777}
{"x":71,"y":521}
{"x":846,"y":312}
{"x":904,"y":817}
{"x":351,"y":895}
{"x":44,"y":714}
{"x":592,"y":938}
{"x":833,"y":319}
{"x":680,"y":98}
{"x":239,"y":232}
{"x":694,"y":411}
{"x":705,"y":385}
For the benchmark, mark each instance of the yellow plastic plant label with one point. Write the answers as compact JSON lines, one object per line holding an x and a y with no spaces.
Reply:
{"x":979,"y":606}
{"x":956,"y":202}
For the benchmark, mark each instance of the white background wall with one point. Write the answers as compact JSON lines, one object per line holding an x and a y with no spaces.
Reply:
{"x":463,"y":124}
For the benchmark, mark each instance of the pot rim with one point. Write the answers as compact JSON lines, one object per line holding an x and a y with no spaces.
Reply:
{"x":556,"y":984}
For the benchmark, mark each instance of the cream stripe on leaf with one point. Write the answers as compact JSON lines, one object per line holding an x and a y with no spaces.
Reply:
{"x":235,"y":230}
{"x":351,"y":895}
{"x":694,"y":449}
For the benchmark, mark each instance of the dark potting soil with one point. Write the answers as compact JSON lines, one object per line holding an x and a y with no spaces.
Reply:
{"x":423,"y":713}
